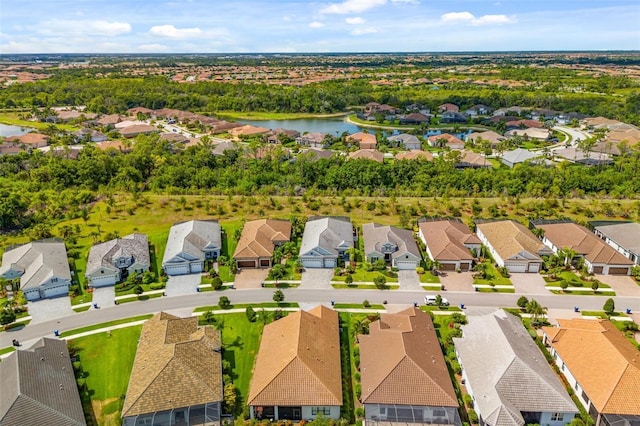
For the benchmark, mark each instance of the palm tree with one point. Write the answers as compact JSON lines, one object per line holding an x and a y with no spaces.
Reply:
{"x":535,"y":309}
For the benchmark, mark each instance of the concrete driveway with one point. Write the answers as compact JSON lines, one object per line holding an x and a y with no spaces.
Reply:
{"x":623,"y":285}
{"x":409,"y":280}
{"x":531,"y":283}
{"x":179,"y":285}
{"x":104,"y":297}
{"x":457,"y":281}
{"x":317,"y":278}
{"x":48,"y":309}
{"x":250,"y":278}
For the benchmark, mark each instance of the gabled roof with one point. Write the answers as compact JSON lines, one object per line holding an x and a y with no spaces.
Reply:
{"x":327,"y":233}
{"x":608,"y":371}
{"x":446,"y":239}
{"x":449,"y":138}
{"x":133,"y":245}
{"x":192,"y":237}
{"x":472,"y":159}
{"x":501,"y":360}
{"x":518,"y":155}
{"x":402,"y":352}
{"x":364,"y":140}
{"x":405,"y":139}
{"x":510,"y":238}
{"x":177,"y":364}
{"x":366,"y":154}
{"x":258,"y":238}
{"x":299,"y":361}
{"x":625,"y":234}
{"x":532,"y":132}
{"x":39,"y":387}
{"x":376,"y":235}
{"x":38,"y":261}
{"x":415,"y":154}
{"x":583,"y":242}
{"x":489,"y":135}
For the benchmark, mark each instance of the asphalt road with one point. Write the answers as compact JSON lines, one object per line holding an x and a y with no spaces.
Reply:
{"x":310,"y":296}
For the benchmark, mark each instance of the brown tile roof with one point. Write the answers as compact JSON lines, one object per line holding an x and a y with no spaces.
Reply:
{"x":489,"y":135}
{"x":37,"y":140}
{"x":109,"y":119}
{"x":451,"y":140}
{"x":364,"y":140}
{"x":583,"y":242}
{"x":608,"y":371}
{"x":177,"y":364}
{"x":248,"y":130}
{"x":508,"y":238}
{"x":446,"y":239}
{"x":299,"y":361}
{"x":415,"y":154}
{"x":470,"y":158}
{"x":137,"y":129}
{"x":366,"y":154}
{"x":258,"y":238}
{"x":526,"y":123}
{"x":111,"y":144}
{"x":402,"y":352}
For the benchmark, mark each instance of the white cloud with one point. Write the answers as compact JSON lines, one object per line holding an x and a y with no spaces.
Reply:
{"x":316,"y":24}
{"x":352,"y":6}
{"x":363,"y":31}
{"x":354,"y":21}
{"x":109,"y":29}
{"x":468,"y":17}
{"x":405,"y":2}
{"x":169,"y":31}
{"x":57,"y":27}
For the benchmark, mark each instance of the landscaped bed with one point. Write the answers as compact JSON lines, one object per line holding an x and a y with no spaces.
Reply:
{"x":492,"y":276}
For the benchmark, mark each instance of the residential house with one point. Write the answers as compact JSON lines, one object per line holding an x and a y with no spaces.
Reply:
{"x":140,"y":110}
{"x":490,"y":136}
{"x":405,"y":140}
{"x":117,"y":145}
{"x":10,"y":148}
{"x":137,"y":129}
{"x":415,"y":118}
{"x":529,"y":133}
{"x":176,"y":377}
{"x":517,"y":156}
{"x":30,"y":140}
{"x":173,"y":138}
{"x":578,"y":156}
{"x":453,"y":117}
{"x":112,"y":261}
{"x":513,"y":245}
{"x":414,"y":155}
{"x":622,"y":236}
{"x":449,"y":242}
{"x":366,"y":154}
{"x":396,"y":246}
{"x":258,"y":241}
{"x":600,"y":365}
{"x":477,"y":110}
{"x":42,"y":266}
{"x":542,"y":114}
{"x":507,"y":376}
{"x":448,"y":107}
{"x":445,"y":140}
{"x":39,"y":387}
{"x":247,"y":131}
{"x":90,"y":135}
{"x":599,"y":257}
{"x":363,"y":140}
{"x":313,"y":139}
{"x":402,"y":352}
{"x":472,"y":160}
{"x":315,"y":154}
{"x":223,"y":126}
{"x":525,"y":124}
{"x":222,"y":147}
{"x":190,"y":244}
{"x":509,"y":111}
{"x":109,"y":120}
{"x":325,"y":240}
{"x":297,"y":374}
{"x":278,"y":135}
{"x":70,"y":115}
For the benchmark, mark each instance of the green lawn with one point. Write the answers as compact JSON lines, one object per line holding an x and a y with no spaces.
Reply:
{"x":347,"y":356}
{"x":496,"y":290}
{"x":429,"y":278}
{"x":105,"y":324}
{"x":584,"y":292}
{"x":107,"y":360}
{"x":572,"y":279}
{"x":366,"y":286}
{"x":440,"y":308}
{"x":13,"y":119}
{"x":493,"y":276}
{"x":357,"y":306}
{"x":601,"y":314}
{"x":245,"y":305}
{"x":7,"y":350}
{"x":360,"y":275}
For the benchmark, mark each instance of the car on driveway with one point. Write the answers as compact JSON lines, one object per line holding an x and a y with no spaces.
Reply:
{"x":431,"y":300}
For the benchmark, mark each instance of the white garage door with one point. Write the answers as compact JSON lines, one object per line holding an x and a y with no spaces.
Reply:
{"x":56,"y":291}
{"x":534,"y":267}
{"x":103,"y":281}
{"x":405,"y":264}
{"x":312,"y":263}
{"x":177,"y":269}
{"x":329,"y":263}
{"x":516,"y":266}
{"x":196,"y":267}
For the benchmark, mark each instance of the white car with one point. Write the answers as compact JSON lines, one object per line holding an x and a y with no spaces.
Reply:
{"x":431,"y":300}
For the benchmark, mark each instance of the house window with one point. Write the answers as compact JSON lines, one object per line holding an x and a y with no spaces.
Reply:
{"x":54,"y":280}
{"x":557,"y":417}
{"x":320,"y":410}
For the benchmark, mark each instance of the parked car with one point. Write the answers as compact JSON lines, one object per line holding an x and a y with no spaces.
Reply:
{"x":431,"y":300}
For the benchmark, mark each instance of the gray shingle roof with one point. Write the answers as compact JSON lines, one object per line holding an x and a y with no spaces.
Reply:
{"x":501,"y":361}
{"x":376,"y":235}
{"x":625,"y":234}
{"x":133,"y":245}
{"x":39,"y":261}
{"x":39,"y":387}
{"x":328,"y":233}
{"x":518,"y":155}
{"x":192,"y":237}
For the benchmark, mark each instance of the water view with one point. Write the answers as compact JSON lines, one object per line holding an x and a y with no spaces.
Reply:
{"x":7,"y":130}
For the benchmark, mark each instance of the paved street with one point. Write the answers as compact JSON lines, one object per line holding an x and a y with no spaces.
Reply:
{"x":306,"y":297}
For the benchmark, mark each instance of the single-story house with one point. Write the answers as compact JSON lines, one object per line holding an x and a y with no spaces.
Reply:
{"x":31,"y":140}
{"x":405,"y":140}
{"x":109,"y":120}
{"x":39,"y":387}
{"x":258,"y":241}
{"x":297,"y":373}
{"x":395,"y":245}
{"x":513,"y":245}
{"x":448,"y":107}
{"x":277,"y":135}
{"x":517,"y":156}
{"x":445,"y":140}
{"x":190,"y":244}
{"x":415,"y":154}
{"x":247,"y":131}
{"x":576,"y":155}
{"x":313,"y":139}
{"x":453,"y":117}
{"x":512,"y":110}
{"x":601,"y":365}
{"x":366,"y":154}
{"x":473,"y":160}
{"x":90,"y":135}
{"x":507,"y":376}
{"x":137,"y":129}
{"x":222,"y":147}
{"x":176,"y":377}
{"x":112,"y":261}
{"x":325,"y":240}
{"x":524,"y":124}
{"x":404,"y":376}
{"x":364,"y":140}
{"x":224,"y":126}
{"x":450,"y":242}
{"x":117,"y":145}
{"x":622,"y":236}
{"x":315,"y":154}
{"x":530,"y":133}
{"x":479,"y":109}
{"x":492,"y":137}
{"x":599,"y":257}
{"x":42,"y":266}
{"x":415,"y":118}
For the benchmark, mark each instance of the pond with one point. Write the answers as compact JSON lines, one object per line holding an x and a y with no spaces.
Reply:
{"x":7,"y":130}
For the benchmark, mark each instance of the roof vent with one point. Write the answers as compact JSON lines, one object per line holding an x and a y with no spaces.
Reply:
{"x":42,"y":359}
{"x":60,"y":386}
{"x":61,"y":353}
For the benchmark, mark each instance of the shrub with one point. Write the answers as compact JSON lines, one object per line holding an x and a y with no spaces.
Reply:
{"x":595,"y":285}
{"x":138,"y":289}
{"x":348,"y":279}
{"x":564,"y":285}
{"x":224,"y":302}
{"x":380,"y":281}
{"x":468,"y":400}
{"x":251,"y":314}
{"x":360,"y":412}
{"x":216,"y":283}
{"x":473,"y":417}
{"x":366,"y":303}
{"x":522,"y":302}
{"x":609,"y":306}
{"x":420,"y":270}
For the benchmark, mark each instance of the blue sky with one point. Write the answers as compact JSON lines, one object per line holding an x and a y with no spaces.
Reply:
{"x":174,"y":26}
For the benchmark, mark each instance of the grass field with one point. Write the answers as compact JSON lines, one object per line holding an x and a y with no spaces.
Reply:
{"x":493,"y":277}
{"x":13,"y":119}
{"x":104,"y":325}
{"x":107,"y":360}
